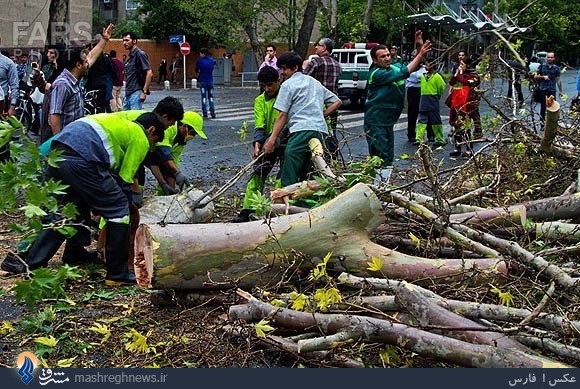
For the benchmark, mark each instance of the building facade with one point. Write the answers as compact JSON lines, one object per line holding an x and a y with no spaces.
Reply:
{"x":24,"y":24}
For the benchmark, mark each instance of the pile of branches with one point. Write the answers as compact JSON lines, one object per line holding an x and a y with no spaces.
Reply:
{"x":517,"y":199}
{"x":474,"y":263}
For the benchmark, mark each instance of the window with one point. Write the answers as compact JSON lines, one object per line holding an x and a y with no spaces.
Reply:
{"x":132,"y":5}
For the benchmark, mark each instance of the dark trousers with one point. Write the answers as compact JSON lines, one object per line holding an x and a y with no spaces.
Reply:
{"x":543,"y":95}
{"x":413,"y":99}
{"x":518,"y":89}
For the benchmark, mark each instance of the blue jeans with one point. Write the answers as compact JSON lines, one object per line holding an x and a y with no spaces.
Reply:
{"x":206,"y":90}
{"x":133,"y":101}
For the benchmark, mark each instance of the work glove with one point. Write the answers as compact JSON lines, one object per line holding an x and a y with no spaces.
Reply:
{"x":181,"y":180}
{"x":137,"y":199}
{"x":168,"y":190}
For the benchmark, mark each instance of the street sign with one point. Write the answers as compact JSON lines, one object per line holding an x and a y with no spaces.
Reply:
{"x":185,"y":48}
{"x":176,"y":38}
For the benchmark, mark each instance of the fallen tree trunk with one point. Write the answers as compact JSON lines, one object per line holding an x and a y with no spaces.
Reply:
{"x":472,"y":310}
{"x":263,"y":253}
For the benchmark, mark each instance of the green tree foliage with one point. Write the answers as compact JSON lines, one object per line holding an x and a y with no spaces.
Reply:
{"x":207,"y":22}
{"x":174,"y":17}
{"x":387,"y":21}
{"x":555,"y":25}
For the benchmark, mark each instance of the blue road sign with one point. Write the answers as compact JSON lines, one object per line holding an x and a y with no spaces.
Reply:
{"x":176,"y":38}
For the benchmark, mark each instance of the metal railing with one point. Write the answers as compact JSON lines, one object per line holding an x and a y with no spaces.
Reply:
{"x":250,"y":77}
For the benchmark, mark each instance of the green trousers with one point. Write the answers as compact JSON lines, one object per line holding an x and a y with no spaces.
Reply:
{"x":380,"y":140}
{"x":297,"y":157}
{"x":437,"y":130}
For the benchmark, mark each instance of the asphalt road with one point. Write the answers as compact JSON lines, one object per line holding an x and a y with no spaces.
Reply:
{"x":215,"y":160}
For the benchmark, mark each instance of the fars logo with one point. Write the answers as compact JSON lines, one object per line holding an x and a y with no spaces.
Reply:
{"x":26,"y":363}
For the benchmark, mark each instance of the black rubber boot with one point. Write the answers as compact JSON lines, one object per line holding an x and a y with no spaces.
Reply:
{"x":38,"y":254}
{"x":77,"y":255}
{"x":117,"y":254}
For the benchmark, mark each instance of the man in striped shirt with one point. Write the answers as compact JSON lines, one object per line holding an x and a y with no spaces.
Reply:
{"x":66,"y":94}
{"x":327,"y":71}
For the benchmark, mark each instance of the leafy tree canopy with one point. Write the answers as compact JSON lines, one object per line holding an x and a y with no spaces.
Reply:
{"x":205,"y":22}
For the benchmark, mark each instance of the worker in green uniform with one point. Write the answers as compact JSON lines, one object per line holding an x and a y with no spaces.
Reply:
{"x":164,"y":160}
{"x":385,"y":100}
{"x":101,"y":155}
{"x":264,"y":118}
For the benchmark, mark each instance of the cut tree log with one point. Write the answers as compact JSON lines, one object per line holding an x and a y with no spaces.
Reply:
{"x":221,"y":255}
{"x":180,"y":208}
{"x":551,"y":208}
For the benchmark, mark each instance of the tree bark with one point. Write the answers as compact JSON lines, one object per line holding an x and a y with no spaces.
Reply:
{"x":340,"y":328}
{"x":558,"y":230}
{"x":552,"y":208}
{"x":468,"y":309}
{"x":551,"y":126}
{"x":260,"y":253}
{"x":305,"y":31}
{"x":176,"y":209}
{"x":250,"y":30}
{"x":367,"y":15}
{"x":57,"y":22}
{"x":428,"y":313}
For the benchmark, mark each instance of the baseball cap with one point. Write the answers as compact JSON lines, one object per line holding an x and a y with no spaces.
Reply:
{"x":195,"y":121}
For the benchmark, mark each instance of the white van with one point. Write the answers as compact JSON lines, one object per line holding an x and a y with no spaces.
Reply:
{"x":542,"y":56}
{"x":354,"y":63}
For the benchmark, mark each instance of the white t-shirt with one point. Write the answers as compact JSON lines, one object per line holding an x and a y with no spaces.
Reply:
{"x":303,"y":98}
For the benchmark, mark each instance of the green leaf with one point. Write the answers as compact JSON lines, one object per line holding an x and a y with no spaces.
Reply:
{"x":49,"y":341}
{"x":415,"y":240}
{"x":69,"y":211}
{"x":319,"y":270}
{"x":138,"y":343}
{"x":505,"y":298}
{"x":325,"y":298}
{"x":65,"y":362}
{"x":6,"y":328}
{"x":277,"y":303}
{"x":32,"y":211}
{"x":101,"y":329}
{"x":67,"y":231}
{"x":262,"y":328}
{"x":300,"y":301}
{"x":375,"y":264}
